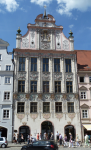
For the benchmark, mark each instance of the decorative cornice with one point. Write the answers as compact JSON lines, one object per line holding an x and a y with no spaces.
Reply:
{"x":59,"y":115}
{"x":20,"y":116}
{"x":71,"y":115}
{"x":34,"y":116}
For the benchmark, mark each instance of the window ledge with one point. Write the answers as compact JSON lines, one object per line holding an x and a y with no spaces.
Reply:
{"x":83,"y":83}
{"x":85,"y":118}
{"x":83,"y":99}
{"x":6,"y":118}
{"x":6,"y":100}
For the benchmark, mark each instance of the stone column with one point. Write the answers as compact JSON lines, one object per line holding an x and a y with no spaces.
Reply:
{"x":51,"y":74}
{"x":27,"y":82}
{"x":16,"y":62}
{"x":74,"y":75}
{"x":63,"y":74}
{"x":40,"y":74}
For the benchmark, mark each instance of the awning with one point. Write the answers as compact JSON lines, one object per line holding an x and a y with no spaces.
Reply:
{"x":88,"y":127}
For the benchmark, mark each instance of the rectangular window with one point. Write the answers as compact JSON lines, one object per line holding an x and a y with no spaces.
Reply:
{"x":69,"y":86}
{"x":68,"y":65}
{"x":81,"y":79}
{"x":46,"y":107}
{"x":34,"y":86}
{"x":6,"y":95}
{"x":45,"y":64}
{"x":70,"y":107}
{"x":45,"y":86}
{"x":84,"y":114}
{"x":56,"y":65}
{"x":6,"y":114}
{"x":7,"y":80}
{"x":20,"y":107}
{"x":89,"y":79}
{"x":0,"y":57}
{"x":33,"y":108}
{"x":22,"y":64}
{"x":58,"y":107}
{"x":33,"y":64}
{"x":8,"y":68}
{"x":57,"y":86}
{"x":83,"y":95}
{"x":21,"y":86}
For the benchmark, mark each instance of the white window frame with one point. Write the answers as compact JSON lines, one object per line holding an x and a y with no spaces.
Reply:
{"x":8,"y":65}
{"x":9,"y":96}
{"x":83,"y":77}
{"x":3,"y":113}
{"x":1,"y":57}
{"x":8,"y":77}
{"x":87,"y":114}
{"x":85,"y":93}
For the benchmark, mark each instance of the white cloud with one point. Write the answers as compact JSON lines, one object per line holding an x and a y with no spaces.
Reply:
{"x":66,"y":6}
{"x":41,"y":2}
{"x":11,"y":5}
{"x":71,"y":26}
{"x":89,"y":28}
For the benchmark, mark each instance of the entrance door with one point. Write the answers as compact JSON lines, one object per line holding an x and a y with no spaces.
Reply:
{"x":3,"y":132}
{"x":70,"y":129}
{"x":25,"y":131}
{"x":47,"y":127}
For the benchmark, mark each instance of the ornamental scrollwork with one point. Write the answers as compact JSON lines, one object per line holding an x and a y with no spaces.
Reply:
{"x":24,"y":123}
{"x":52,"y":96}
{"x":25,"y":42}
{"x":34,"y":116}
{"x":27,"y":96}
{"x":64,"y":96}
{"x":21,"y":97}
{"x":65,"y":44}
{"x":34,"y":76}
{"x":21,"y":75}
{"x":71,"y":115}
{"x":20,"y":116}
{"x":46,"y":116}
{"x":46,"y":76}
{"x":69,"y":77}
{"x":59,"y":116}
{"x":76,"y":96}
{"x":57,"y":76}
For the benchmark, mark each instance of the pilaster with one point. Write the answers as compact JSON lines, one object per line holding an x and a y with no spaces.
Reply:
{"x":74,"y":75}
{"x":51,"y":75}
{"x":40,"y":74}
{"x":63,"y":74}
{"x":27,"y":76}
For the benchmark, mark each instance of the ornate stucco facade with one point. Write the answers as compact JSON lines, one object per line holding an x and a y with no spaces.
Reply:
{"x":46,"y":40}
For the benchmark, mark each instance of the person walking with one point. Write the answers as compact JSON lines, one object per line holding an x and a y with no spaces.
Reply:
{"x":77,"y":139}
{"x":57,"y":136}
{"x":65,"y":140}
{"x":28,"y":141}
{"x":31,"y":139}
{"x":60,"y":139}
{"x":70,"y":138}
{"x":52,"y":136}
{"x":38,"y":137}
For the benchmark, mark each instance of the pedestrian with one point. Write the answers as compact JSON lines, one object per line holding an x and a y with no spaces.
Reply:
{"x":22,"y":138}
{"x":37,"y":136}
{"x":86,"y":140}
{"x":31,"y":139}
{"x":14,"y":138}
{"x":65,"y":140}
{"x":70,"y":138}
{"x":57,"y":136}
{"x":44,"y":135}
{"x":60,"y":139}
{"x":28,"y":141}
{"x":40,"y":136}
{"x":52,"y":136}
{"x":77,"y":139}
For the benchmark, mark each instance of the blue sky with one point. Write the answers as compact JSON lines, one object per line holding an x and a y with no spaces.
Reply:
{"x":71,"y":14}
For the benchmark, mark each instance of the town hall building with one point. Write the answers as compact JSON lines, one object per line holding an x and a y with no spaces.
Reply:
{"x":45,"y":81}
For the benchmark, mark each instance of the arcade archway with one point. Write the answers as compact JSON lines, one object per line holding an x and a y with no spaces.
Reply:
{"x":3,"y":132}
{"x":25,"y":131}
{"x":47,"y":127}
{"x":70,"y":129}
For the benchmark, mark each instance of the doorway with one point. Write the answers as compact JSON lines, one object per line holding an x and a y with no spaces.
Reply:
{"x":25,"y":131}
{"x":70,"y":129}
{"x":3,"y":132}
{"x":47,"y":127}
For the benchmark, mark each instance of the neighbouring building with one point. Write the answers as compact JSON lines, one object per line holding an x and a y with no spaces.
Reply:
{"x":6,"y":91}
{"x":84,"y":82}
{"x":45,"y":80}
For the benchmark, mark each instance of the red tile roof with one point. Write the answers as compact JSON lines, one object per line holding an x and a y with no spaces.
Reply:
{"x":83,"y":60}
